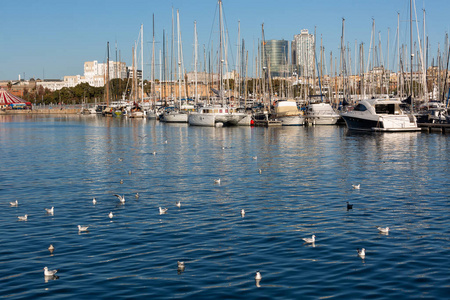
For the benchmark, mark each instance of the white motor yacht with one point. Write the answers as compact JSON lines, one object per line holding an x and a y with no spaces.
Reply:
{"x":379,"y":115}
{"x":321,"y":114}
{"x":216,"y":115}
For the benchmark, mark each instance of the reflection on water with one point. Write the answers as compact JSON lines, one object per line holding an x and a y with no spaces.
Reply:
{"x":303,"y":188}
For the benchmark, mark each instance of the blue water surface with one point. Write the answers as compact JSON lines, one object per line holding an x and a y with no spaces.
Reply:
{"x":306,"y":179}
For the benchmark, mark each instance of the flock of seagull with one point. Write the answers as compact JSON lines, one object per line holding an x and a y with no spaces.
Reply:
{"x":51,"y":274}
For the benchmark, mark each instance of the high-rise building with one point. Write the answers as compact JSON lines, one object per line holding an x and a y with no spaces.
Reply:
{"x":303,"y":53}
{"x":275,"y":55}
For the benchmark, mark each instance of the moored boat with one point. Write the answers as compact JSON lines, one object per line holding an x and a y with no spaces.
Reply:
{"x":379,"y":115}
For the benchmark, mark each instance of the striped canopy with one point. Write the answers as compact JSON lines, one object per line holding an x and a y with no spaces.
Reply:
{"x":8,"y":98}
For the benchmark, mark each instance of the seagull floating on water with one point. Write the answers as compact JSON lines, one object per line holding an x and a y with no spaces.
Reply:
{"x":349,"y":206}
{"x":121,"y":181}
{"x":154,"y":152}
{"x":260,"y":171}
{"x":82,"y":228}
{"x":129,"y":172}
{"x":94,"y":201}
{"x":136,"y":196}
{"x":242,"y":212}
{"x":50,"y":210}
{"x":255,"y":157}
{"x":310,"y":240}
{"x":180,"y":264}
{"x":361,"y":252}
{"x":217,"y":181}
{"x":110,"y":215}
{"x":121,"y":198}
{"x":258,"y":275}
{"x":178,"y":204}
{"x":48,"y":272}
{"x":51,"y":248}
{"x":165,"y":142}
{"x":22,"y":218}
{"x":383,"y":230}
{"x":162,"y":210}
{"x":356,"y":187}
{"x":120,"y":159}
{"x":14,"y":204}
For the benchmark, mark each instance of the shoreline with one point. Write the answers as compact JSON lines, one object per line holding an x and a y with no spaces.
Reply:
{"x":64,"y":111}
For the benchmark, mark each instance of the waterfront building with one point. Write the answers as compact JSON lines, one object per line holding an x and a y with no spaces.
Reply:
{"x":303,"y":54}
{"x":275,"y":57}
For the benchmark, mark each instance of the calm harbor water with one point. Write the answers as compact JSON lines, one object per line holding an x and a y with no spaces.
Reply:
{"x":306,"y":179}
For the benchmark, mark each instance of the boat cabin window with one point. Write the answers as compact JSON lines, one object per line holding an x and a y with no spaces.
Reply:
{"x":390,"y":109}
{"x":360,"y":107}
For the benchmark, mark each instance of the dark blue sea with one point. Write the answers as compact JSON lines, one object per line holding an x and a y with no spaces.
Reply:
{"x":306,"y":179}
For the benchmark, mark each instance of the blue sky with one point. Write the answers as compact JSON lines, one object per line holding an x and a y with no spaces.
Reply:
{"x":51,"y":39}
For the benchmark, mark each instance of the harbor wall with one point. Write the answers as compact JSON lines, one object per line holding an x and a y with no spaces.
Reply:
{"x":64,"y":111}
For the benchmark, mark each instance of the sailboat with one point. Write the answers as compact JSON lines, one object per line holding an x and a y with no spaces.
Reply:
{"x":217,"y":114}
{"x":178,"y":114}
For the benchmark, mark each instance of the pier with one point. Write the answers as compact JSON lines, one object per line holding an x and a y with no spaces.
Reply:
{"x":428,"y":127}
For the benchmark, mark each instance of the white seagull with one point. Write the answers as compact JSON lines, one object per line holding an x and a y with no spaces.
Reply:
{"x":217,"y":181}
{"x":242,"y":212}
{"x":48,"y":272}
{"x":14,"y":204}
{"x":383,"y":230}
{"x":310,"y":240}
{"x":154,"y":152}
{"x":121,"y":181}
{"x":50,"y":210}
{"x":260,"y":171}
{"x":110,"y":215}
{"x":361,"y":252}
{"x":51,"y":248}
{"x":255,"y":157}
{"x":22,"y":218}
{"x":121,"y":198}
{"x":258,"y":276}
{"x":136,"y":196}
{"x":82,"y":228}
{"x":94,"y":201}
{"x":178,"y":204}
{"x":165,"y":142}
{"x":162,"y":210}
{"x":180,"y":264}
{"x":356,"y":187}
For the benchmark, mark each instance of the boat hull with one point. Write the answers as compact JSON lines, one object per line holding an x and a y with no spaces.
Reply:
{"x":292,"y":120}
{"x":175,"y":117}
{"x":197,"y":119}
{"x":379,"y":124}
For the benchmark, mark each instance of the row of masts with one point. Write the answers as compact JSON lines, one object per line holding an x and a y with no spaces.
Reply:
{"x":374,"y":77}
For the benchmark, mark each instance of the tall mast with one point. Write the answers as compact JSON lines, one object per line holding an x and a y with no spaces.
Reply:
{"x":179,"y":56}
{"x":195,"y":60}
{"x":398,"y":56}
{"x":411,"y":55}
{"x":116,"y":74}
{"x":153,"y":63}
{"x":107,"y":75}
{"x":142,"y":62}
{"x":220,"y":53}
{"x":172,"y":67}
{"x":133,"y":83}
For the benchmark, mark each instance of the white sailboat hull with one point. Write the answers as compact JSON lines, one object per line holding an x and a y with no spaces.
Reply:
{"x":198,"y":119}
{"x":175,"y":117}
